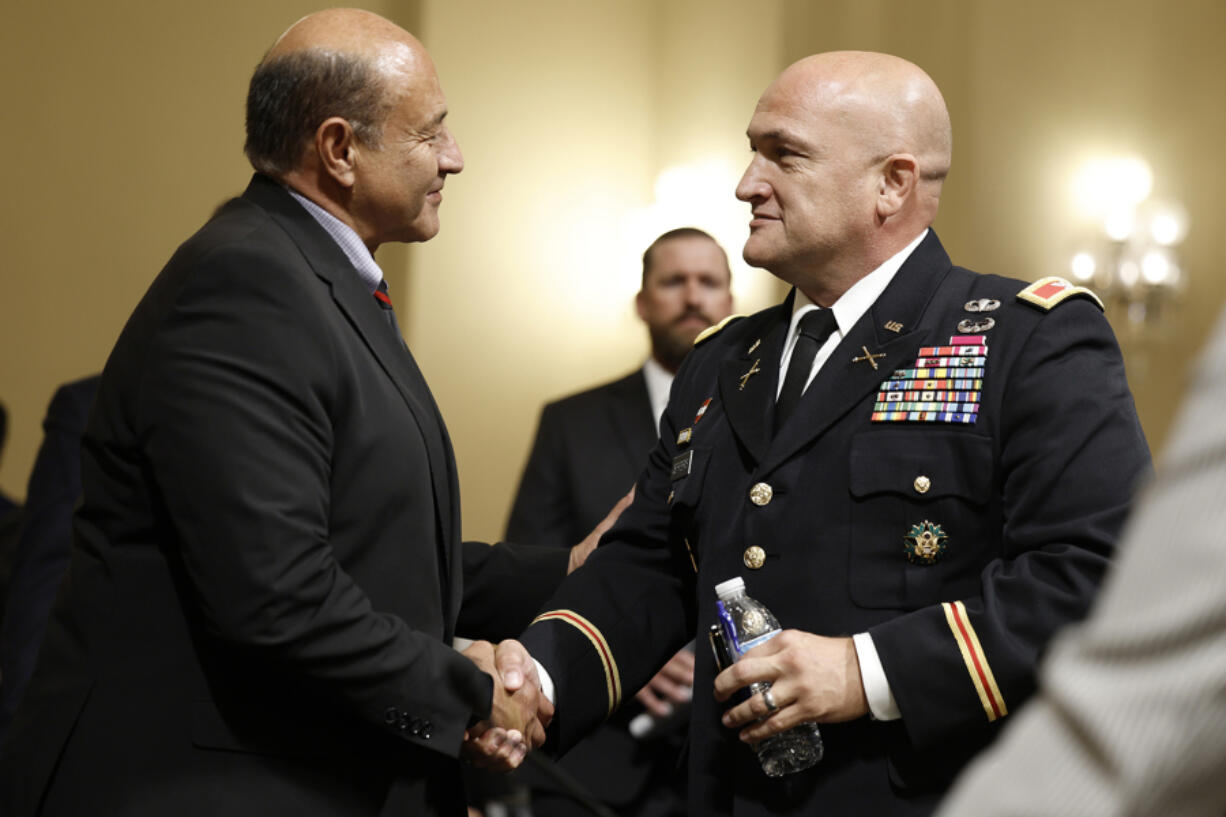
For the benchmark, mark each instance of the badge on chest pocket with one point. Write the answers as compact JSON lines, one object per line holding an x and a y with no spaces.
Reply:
{"x":922,"y":518}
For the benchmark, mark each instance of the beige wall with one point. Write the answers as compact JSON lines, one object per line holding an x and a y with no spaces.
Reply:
{"x":124,"y":129}
{"x":566,"y":113}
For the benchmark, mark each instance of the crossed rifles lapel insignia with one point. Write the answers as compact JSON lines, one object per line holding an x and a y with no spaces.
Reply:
{"x":752,"y":371}
{"x":869,"y":356}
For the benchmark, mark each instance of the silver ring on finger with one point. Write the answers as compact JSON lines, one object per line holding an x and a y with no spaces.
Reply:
{"x":769,"y":700}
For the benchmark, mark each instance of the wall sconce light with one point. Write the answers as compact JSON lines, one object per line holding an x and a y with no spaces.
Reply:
{"x":1131,"y":260}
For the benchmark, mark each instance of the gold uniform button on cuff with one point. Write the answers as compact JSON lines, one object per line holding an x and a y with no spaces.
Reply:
{"x":754,"y":557}
{"x":761,"y":494}
{"x":922,"y":484}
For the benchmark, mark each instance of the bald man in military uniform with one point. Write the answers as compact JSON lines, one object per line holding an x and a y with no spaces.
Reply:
{"x":919,"y":469}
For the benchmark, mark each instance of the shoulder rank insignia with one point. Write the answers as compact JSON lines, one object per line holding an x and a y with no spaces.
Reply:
{"x":712,"y":331}
{"x":1047,"y":293}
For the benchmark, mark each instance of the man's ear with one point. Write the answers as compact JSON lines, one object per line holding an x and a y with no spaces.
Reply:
{"x":640,"y":305}
{"x":899,"y":176}
{"x":335,"y":147}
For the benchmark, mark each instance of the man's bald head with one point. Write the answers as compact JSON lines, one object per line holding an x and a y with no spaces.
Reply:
{"x":892,"y":103}
{"x":337,"y":62}
{"x":850,"y":152}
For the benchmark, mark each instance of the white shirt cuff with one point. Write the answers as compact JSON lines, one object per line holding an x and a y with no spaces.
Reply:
{"x":881,"y":701}
{"x":547,"y":682}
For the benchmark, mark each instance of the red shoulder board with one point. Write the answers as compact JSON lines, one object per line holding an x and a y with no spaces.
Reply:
{"x":1049,"y":292}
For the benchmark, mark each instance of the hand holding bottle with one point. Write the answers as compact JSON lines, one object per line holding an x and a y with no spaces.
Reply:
{"x":812,"y":679}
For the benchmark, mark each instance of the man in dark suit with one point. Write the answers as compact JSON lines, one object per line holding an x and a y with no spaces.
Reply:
{"x":918,"y":469}
{"x":265,"y":573}
{"x":10,"y":522}
{"x":46,"y":535}
{"x":591,"y":446}
{"x":7,"y":504}
{"x":589,"y":449}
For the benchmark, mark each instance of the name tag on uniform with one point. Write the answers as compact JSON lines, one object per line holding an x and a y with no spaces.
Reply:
{"x":682,"y":464}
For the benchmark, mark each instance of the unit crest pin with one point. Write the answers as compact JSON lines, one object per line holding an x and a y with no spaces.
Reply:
{"x":925,"y":543}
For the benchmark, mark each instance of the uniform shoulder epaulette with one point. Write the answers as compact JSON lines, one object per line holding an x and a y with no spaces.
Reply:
{"x":712,"y":331}
{"x":1047,"y":293}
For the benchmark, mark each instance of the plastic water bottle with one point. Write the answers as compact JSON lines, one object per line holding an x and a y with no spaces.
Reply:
{"x":747,"y":623}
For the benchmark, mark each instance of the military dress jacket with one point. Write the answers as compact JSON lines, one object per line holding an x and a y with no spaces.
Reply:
{"x":952,"y":482}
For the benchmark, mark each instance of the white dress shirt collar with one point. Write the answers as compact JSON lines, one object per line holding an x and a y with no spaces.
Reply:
{"x":347,"y":239}
{"x":659,"y":381}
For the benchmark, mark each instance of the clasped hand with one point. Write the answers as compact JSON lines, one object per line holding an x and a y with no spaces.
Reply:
{"x":519,"y":712}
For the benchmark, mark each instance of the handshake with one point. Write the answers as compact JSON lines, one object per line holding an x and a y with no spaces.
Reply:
{"x":519,"y":713}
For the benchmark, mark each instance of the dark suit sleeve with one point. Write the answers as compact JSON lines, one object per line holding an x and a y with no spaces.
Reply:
{"x":505,"y":585}
{"x":1071,"y":452}
{"x":544,"y":509}
{"x":46,"y":536}
{"x":237,"y":407}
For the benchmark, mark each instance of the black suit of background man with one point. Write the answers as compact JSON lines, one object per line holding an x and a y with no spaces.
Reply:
{"x":46,"y":535}
{"x":588,"y":451}
{"x":590,"y":448}
{"x":10,"y":522}
{"x":7,"y":504}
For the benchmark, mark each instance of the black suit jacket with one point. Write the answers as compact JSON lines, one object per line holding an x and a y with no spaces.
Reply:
{"x":266,"y":565}
{"x":46,"y":534}
{"x":1030,"y":496}
{"x":589,"y":450}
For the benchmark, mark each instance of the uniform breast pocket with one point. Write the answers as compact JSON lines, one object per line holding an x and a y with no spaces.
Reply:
{"x":924,"y":520}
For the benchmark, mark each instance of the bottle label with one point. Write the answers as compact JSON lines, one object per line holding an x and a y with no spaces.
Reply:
{"x":753,"y":642}
{"x":733,"y":635}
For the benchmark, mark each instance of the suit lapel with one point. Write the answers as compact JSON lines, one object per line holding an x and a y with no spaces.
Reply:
{"x":842,"y":383}
{"x":365,"y":316}
{"x":631,"y":418}
{"x":749,"y":395}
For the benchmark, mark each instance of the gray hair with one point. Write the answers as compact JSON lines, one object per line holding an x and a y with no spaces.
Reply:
{"x":291,"y":95}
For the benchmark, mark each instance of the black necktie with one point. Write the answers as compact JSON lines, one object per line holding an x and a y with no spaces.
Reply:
{"x":815,"y":327}
{"x":389,"y":314}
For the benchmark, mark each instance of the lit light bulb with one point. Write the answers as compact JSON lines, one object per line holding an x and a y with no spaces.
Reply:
{"x":1119,"y":223}
{"x":1084,"y":266}
{"x":1155,"y":267}
{"x":1108,"y":182}
{"x":1169,"y":224}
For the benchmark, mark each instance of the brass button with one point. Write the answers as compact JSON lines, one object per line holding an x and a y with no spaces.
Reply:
{"x":922,"y":484}
{"x":761,"y":494}
{"x":754,"y":557}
